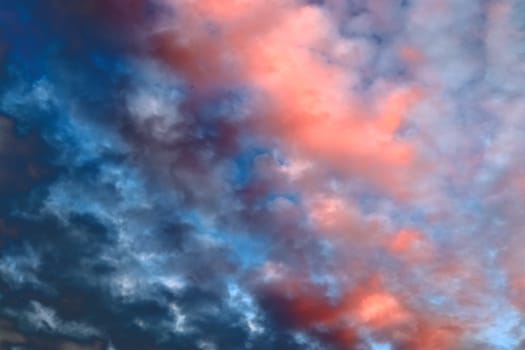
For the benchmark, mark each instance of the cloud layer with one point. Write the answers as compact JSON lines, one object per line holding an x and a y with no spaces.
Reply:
{"x":280,"y":174}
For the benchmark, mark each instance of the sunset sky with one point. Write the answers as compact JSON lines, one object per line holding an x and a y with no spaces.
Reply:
{"x":262,"y":175}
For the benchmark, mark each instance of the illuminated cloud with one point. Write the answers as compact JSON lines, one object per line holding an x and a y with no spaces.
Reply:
{"x":262,"y":174}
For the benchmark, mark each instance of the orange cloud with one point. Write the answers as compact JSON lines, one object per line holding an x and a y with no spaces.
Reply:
{"x":298,"y":303}
{"x":412,"y":245}
{"x":381,"y":309}
{"x":305,"y":99}
{"x":411,"y":55}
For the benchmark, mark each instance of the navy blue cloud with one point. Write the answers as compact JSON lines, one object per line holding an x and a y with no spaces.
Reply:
{"x":99,"y":244}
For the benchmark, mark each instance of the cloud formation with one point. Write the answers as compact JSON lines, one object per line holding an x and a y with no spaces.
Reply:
{"x":282,"y":174}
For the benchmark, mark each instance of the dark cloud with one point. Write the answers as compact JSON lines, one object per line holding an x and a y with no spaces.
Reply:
{"x":72,"y":272}
{"x":23,"y":158}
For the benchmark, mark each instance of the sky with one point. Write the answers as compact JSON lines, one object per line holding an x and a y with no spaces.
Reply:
{"x":262,"y":175}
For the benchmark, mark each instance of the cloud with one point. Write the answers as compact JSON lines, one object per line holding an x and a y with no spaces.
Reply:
{"x":261,"y":174}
